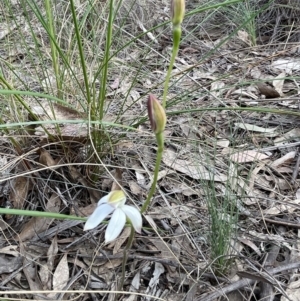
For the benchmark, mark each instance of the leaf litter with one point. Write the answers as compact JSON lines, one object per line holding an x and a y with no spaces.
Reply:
{"x":227,"y":149}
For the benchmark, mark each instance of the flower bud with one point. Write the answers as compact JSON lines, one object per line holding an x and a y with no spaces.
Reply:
{"x":177,"y":11}
{"x":156,"y":115}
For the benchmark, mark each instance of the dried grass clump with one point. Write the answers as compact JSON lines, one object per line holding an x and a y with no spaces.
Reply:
{"x":280,"y":21}
{"x":269,"y":21}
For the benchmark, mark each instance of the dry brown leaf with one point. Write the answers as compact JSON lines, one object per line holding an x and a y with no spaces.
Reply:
{"x":287,"y":158}
{"x":125,"y":146}
{"x":292,"y":291}
{"x":93,"y":191}
{"x":281,"y":183}
{"x":135,"y":188}
{"x":187,"y":190}
{"x":298,"y":193}
{"x":115,"y":84}
{"x":243,"y":92}
{"x":140,"y":178}
{"x":125,"y":86}
{"x":31,"y":276}
{"x":244,"y":36}
{"x":289,"y":64}
{"x":37,"y":225}
{"x":250,"y":244}
{"x":55,"y":111}
{"x":117,"y":179}
{"x":46,"y":159}
{"x":290,"y":207}
{"x":289,"y":103}
{"x":61,"y":274}
{"x":284,"y":169}
{"x":286,"y":137}
{"x":44,"y":275}
{"x":267,"y":237}
{"x":161,"y":175}
{"x":30,"y":270}
{"x":151,"y":221}
{"x":248,"y":156}
{"x":6,"y":29}
{"x":223,"y":142}
{"x":186,"y":129}
{"x":267,"y":90}
{"x":254,"y":128}
{"x":9,"y":264}
{"x":216,"y":89}
{"x":120,"y":240}
{"x":181,"y":212}
{"x":19,"y":191}
{"x":75,"y":132}
{"x":200,"y":74}
{"x":194,"y":169}
{"x":4,"y":225}
{"x":85,"y":211}
{"x":154,"y":281}
{"x":51,"y":254}
{"x":177,"y":243}
{"x":254,"y":174}
{"x":238,"y":184}
{"x":112,"y":264}
{"x":10,"y":250}
{"x":256,"y":73}
{"x":278,"y":82}
{"x":134,"y":287}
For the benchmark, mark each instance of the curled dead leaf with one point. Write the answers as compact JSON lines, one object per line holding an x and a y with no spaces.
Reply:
{"x":267,"y":90}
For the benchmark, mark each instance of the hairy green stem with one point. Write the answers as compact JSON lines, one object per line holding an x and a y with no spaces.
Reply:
{"x":176,"y":43}
{"x":160,"y":149}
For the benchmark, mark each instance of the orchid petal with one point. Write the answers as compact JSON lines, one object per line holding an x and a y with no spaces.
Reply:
{"x":103,"y":200}
{"x":100,"y":213}
{"x":115,"y":226}
{"x":134,"y":216}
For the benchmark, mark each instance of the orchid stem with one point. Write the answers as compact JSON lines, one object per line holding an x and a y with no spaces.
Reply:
{"x":125,"y":257}
{"x":176,"y":43}
{"x":160,"y":149}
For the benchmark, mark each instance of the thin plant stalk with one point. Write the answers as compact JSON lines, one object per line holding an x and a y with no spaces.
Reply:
{"x":102,"y":95}
{"x":125,"y":256}
{"x":40,"y":214}
{"x":177,"y":15}
{"x":25,"y":106}
{"x":81,"y":55}
{"x":20,"y":100}
{"x":54,"y":52}
{"x":156,"y":112}
{"x":160,"y":149}
{"x":158,"y":119}
{"x":176,"y":43}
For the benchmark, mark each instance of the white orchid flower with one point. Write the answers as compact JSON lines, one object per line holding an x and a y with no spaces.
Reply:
{"x":114,"y":203}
